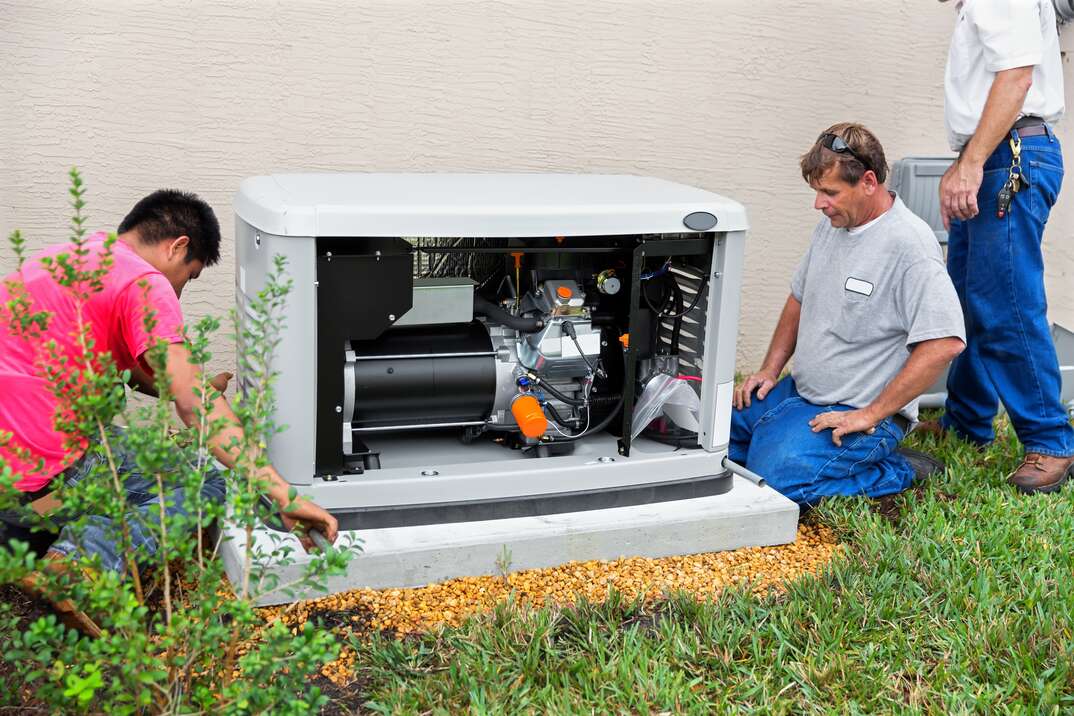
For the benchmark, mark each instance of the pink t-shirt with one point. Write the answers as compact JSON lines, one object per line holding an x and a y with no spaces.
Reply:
{"x":116,"y":317}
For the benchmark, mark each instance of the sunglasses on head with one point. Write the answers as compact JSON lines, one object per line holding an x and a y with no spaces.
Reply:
{"x":839,"y":145}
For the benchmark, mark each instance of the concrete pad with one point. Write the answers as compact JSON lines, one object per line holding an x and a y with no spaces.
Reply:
{"x":747,"y":516}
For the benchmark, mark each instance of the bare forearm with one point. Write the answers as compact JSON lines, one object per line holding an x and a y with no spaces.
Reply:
{"x":227,"y":444}
{"x":1001,"y":110}
{"x":784,"y":338}
{"x":922,"y":368}
{"x":231,"y":446}
{"x":228,"y":447}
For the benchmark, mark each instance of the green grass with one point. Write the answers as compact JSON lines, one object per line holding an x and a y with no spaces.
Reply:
{"x":963,"y":603}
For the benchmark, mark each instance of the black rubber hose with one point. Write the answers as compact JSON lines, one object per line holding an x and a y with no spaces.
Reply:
{"x":665,"y":299}
{"x":693,"y":304}
{"x":595,"y":428}
{"x":557,"y":417}
{"x":495,"y":314}
{"x":558,"y":394}
{"x":676,"y":328}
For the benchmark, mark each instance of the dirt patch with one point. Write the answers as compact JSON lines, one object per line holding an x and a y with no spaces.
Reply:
{"x":891,"y":507}
{"x":22,"y":605}
{"x":356,"y":619}
{"x":343,"y":699}
{"x":27,"y":610}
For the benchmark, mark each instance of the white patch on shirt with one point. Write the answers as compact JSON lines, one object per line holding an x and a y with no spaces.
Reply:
{"x":858,"y":286}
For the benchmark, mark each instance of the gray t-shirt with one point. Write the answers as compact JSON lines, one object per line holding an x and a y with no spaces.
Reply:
{"x":867,"y":296}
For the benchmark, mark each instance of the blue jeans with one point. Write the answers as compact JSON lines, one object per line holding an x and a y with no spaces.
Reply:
{"x":998,"y":271}
{"x":96,"y":537}
{"x":772,"y":437}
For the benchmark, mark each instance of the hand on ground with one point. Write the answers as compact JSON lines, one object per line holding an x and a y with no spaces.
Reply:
{"x":843,"y":422}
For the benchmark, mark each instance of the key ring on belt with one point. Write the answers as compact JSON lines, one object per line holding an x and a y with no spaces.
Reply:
{"x":1016,"y":156}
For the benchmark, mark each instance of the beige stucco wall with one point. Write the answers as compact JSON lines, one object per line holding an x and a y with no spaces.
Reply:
{"x":724,"y":94}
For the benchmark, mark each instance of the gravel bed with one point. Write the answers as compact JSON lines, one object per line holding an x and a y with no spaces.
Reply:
{"x":448,"y":604}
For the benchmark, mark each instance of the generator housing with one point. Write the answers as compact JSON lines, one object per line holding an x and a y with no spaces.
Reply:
{"x":472,"y":347}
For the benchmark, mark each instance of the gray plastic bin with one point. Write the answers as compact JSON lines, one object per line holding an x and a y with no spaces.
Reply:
{"x":936,"y":396}
{"x":1064,"y":348}
{"x":917,"y":181}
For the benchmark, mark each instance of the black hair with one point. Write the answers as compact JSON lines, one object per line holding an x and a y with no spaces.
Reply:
{"x":168,"y":214}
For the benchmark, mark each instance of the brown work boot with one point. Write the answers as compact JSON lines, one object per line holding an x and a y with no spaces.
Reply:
{"x":36,"y":585}
{"x":935,"y":429}
{"x":932,"y":428}
{"x":1041,"y":473}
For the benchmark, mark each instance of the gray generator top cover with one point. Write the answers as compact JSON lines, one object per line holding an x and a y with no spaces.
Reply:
{"x":465,"y":205}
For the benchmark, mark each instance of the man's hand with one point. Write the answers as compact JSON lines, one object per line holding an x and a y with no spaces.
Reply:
{"x":844,"y":422}
{"x":310,"y":516}
{"x":761,"y":381}
{"x":220,"y":381}
{"x":958,"y":191}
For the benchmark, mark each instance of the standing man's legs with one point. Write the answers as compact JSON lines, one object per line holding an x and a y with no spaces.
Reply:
{"x":1006,"y":311}
{"x":971,"y":399}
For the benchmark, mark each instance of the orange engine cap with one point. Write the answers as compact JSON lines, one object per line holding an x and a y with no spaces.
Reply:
{"x":529,"y":416}
{"x":564,"y":292}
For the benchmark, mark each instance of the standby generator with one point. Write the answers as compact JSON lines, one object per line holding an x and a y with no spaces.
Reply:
{"x":461,"y":349}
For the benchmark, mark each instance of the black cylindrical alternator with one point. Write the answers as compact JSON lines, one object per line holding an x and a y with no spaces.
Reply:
{"x":418,"y":377}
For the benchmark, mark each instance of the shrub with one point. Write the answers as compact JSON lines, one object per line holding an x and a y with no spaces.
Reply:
{"x":175,"y":639}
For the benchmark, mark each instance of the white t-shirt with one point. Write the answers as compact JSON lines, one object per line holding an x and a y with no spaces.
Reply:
{"x":995,"y":35}
{"x":855,"y":230}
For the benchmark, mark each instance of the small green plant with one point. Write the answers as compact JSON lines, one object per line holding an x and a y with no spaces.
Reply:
{"x":503,"y":563}
{"x":175,"y":639}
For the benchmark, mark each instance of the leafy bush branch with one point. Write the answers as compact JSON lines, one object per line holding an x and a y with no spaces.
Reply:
{"x":175,"y":638}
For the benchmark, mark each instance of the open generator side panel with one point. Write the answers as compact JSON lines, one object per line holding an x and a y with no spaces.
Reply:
{"x":532,"y":344}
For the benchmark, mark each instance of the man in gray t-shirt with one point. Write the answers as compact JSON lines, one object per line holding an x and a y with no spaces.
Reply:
{"x":871,"y":321}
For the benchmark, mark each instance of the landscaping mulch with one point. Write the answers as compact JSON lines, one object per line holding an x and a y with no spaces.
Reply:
{"x":450,"y":603}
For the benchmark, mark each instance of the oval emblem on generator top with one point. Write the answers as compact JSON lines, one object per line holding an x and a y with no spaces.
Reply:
{"x":699,"y":221}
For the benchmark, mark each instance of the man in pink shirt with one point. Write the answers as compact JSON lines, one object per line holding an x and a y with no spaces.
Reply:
{"x":165,"y":241}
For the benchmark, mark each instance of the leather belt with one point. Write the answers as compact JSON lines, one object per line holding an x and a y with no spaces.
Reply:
{"x":26,"y":498}
{"x":901,"y":420}
{"x":1030,"y":126}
